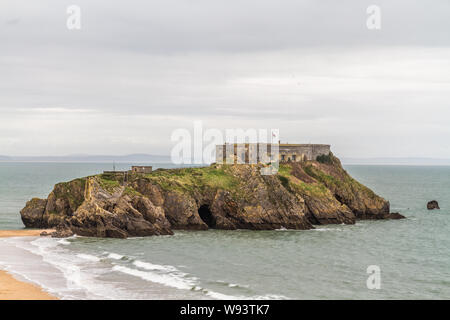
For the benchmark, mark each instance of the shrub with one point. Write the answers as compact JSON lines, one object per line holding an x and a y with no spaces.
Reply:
{"x":325,"y":158}
{"x":284,"y":181}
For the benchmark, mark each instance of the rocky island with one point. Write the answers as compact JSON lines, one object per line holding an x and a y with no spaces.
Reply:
{"x":301,"y":195}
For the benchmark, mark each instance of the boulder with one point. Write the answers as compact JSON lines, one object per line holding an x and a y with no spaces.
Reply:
{"x":33,"y":213}
{"x":62,"y":231}
{"x":394,"y":216}
{"x":433,"y":204}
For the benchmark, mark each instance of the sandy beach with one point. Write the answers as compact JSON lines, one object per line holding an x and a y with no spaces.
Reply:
{"x":13,"y":289}
{"x":23,"y":233}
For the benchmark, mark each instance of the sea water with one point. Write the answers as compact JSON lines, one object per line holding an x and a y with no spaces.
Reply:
{"x":329,"y":262}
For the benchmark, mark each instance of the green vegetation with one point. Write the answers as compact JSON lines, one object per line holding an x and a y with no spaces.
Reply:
{"x":325,"y":158}
{"x":311,"y":189}
{"x":131,"y":192}
{"x":112,"y":177}
{"x":321,"y":176}
{"x":191,"y":179}
{"x":294,"y":184}
{"x":284,"y":181}
{"x":197,"y":180}
{"x":107,"y":183}
{"x":284,"y":170}
{"x":345,"y":183}
{"x":65,"y":190}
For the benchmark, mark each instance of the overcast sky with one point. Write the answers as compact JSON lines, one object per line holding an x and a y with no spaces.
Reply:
{"x":137,"y":70}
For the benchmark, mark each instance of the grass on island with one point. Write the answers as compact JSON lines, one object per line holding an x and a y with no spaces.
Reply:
{"x":191,"y":179}
{"x":179,"y":179}
{"x":345,"y":184}
{"x":214,"y":177}
{"x":107,"y":183}
{"x":292,"y":183}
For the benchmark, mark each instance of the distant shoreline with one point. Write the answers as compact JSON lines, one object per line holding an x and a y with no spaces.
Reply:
{"x":203,"y":165}
{"x":166,"y":159}
{"x":142,"y":158}
{"x":74,"y":161}
{"x":345,"y":161}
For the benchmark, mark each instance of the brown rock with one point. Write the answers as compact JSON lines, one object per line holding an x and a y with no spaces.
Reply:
{"x":182,"y":211}
{"x":263,"y":204}
{"x":432,"y":205}
{"x":33,"y":213}
{"x":395,"y":215}
{"x":361,"y":201}
{"x":220,"y":196}
{"x":62,"y":231}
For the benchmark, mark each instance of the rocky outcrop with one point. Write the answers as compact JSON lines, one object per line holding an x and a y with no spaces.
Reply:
{"x":228,"y":197}
{"x":433,"y":204}
{"x":33,"y":213}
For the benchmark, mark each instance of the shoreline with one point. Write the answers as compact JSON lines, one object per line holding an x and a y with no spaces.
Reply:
{"x":14,"y":289}
{"x":23,"y":233}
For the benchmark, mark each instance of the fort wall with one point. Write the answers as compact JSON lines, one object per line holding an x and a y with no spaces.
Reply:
{"x":241,"y":153}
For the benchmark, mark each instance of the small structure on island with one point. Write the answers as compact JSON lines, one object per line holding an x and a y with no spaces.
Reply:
{"x":141,"y":169}
{"x":134,"y":170}
{"x":251,"y":152}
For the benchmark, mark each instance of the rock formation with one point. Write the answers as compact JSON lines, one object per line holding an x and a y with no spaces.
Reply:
{"x":229,"y":197}
{"x":433,"y":204}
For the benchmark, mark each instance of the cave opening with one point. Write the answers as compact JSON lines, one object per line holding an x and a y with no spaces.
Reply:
{"x":206,"y":216}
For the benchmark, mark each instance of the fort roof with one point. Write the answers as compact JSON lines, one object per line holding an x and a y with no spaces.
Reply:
{"x":302,"y":144}
{"x":285,"y":144}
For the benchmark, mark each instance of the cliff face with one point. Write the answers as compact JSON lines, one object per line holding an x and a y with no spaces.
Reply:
{"x":219,"y":196}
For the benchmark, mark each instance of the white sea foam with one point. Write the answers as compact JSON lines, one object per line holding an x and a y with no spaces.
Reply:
{"x":326,"y":229}
{"x":79,"y":274}
{"x":151,"y":266}
{"x":64,"y":242}
{"x":115,"y":256}
{"x":59,"y":284}
{"x":221,"y":296}
{"x":88,"y":257}
{"x":270,"y":297}
{"x":171,"y":280}
{"x":233,"y":285}
{"x":70,"y":270}
{"x":78,"y":284}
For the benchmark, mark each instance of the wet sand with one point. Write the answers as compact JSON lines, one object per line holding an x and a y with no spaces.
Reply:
{"x":13,"y":289}
{"x":23,"y":233}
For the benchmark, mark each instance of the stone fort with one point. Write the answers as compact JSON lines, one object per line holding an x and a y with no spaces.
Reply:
{"x":251,"y":152}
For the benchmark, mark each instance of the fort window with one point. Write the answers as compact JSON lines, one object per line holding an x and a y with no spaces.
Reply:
{"x":282,"y":157}
{"x":293,"y":157}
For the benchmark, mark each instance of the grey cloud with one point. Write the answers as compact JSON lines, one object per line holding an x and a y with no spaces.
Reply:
{"x":211,"y":25}
{"x":139,"y":69}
